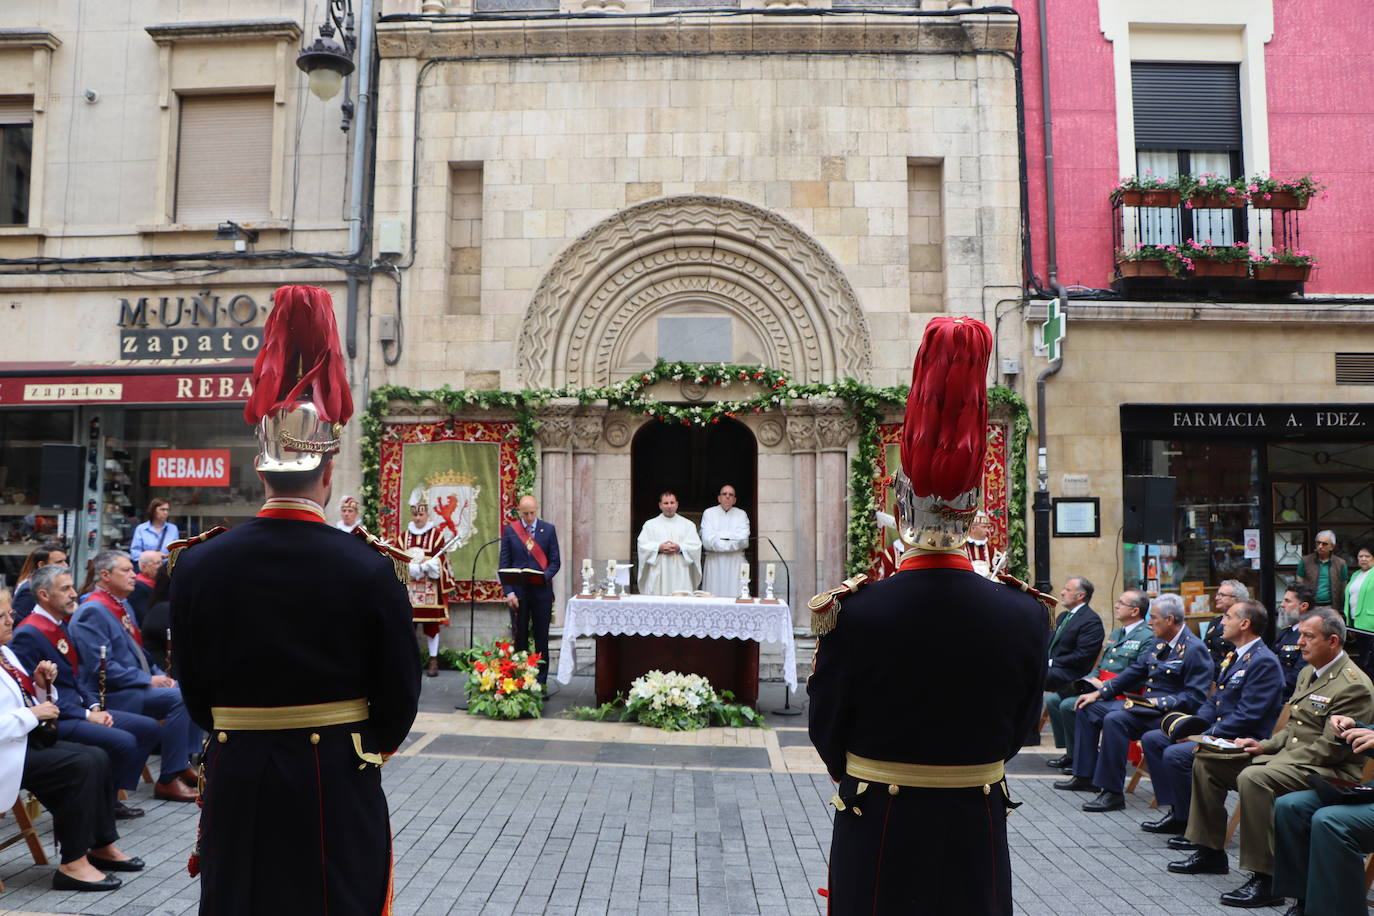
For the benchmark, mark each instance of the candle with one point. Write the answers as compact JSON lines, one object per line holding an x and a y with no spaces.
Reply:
{"x":587,"y":566}
{"x":610,"y":569}
{"x":768,"y":573}
{"x":744,"y":570}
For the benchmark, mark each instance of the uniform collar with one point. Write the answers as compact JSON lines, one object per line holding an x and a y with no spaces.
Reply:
{"x":38,"y":609}
{"x":1132,"y":626}
{"x":1320,"y":672}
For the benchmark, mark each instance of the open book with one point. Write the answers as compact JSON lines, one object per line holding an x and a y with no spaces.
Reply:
{"x":518,"y":577}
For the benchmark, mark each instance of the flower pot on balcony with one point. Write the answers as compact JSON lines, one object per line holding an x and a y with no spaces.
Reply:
{"x":1278,"y":200}
{"x":1205,"y":268}
{"x":1136,"y":269}
{"x":1149,"y":198}
{"x":1217,"y":202}
{"x":1284,"y":273}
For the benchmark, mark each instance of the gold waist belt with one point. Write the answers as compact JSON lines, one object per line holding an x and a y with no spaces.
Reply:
{"x":282,"y":718}
{"x":923,"y":775}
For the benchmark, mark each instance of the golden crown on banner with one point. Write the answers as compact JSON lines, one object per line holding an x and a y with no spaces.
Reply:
{"x":450,"y":478}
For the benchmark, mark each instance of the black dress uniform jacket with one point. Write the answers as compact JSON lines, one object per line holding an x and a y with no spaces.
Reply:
{"x":283,"y":612}
{"x":933,"y":666}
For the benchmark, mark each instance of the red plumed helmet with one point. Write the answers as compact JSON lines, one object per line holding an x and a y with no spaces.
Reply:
{"x":944,"y":438}
{"x":300,"y":358}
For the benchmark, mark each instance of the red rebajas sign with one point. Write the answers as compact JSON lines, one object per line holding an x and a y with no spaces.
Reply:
{"x":183,"y":467}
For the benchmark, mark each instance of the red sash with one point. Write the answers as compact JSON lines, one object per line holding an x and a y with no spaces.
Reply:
{"x":530,"y":543}
{"x":302,"y":510}
{"x":936,"y":561}
{"x":116,"y":607}
{"x":56,"y":635}
{"x":23,"y":680}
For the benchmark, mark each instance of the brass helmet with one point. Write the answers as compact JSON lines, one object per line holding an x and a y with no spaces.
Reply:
{"x":300,"y":398}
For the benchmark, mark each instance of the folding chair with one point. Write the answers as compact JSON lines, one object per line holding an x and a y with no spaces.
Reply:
{"x":23,"y":816}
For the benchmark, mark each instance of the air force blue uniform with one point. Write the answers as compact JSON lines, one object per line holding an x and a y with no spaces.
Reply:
{"x":1175,"y":677}
{"x":1250,"y":693}
{"x":128,"y":742}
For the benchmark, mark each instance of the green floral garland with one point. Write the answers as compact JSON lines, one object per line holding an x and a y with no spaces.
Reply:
{"x":866,"y":404}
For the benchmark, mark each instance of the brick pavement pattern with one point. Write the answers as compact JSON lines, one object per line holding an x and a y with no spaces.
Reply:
{"x":573,"y":819}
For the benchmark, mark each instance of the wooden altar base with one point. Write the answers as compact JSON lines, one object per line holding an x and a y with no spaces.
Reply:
{"x":729,"y":664}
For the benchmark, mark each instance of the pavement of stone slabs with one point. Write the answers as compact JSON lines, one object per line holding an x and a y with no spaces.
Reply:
{"x":567,"y":818}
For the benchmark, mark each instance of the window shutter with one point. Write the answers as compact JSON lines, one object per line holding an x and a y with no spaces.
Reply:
{"x":16,"y":109}
{"x":1186,"y":106}
{"x":224,"y":158}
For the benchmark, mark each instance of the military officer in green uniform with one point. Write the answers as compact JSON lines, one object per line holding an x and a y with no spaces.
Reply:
{"x":1129,"y":640}
{"x":1319,"y":847}
{"x":1330,"y":685}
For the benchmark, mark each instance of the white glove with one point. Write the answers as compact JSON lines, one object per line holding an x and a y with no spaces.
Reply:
{"x":415,"y":570}
{"x":885,"y":520}
{"x":431,"y":567}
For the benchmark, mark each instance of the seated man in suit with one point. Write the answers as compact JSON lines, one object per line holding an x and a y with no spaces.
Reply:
{"x":1330,"y":685}
{"x":127,"y":737}
{"x":1175,"y":676}
{"x":1244,"y":704}
{"x":1297,"y":603}
{"x":1320,"y":848}
{"x":1127,"y":643}
{"x":1076,"y":641}
{"x":132,"y":682}
{"x":531,"y":543}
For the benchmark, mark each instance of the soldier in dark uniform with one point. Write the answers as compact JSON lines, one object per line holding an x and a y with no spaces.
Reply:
{"x":1228,"y":593}
{"x":921,"y":801}
{"x":1175,"y":677}
{"x":1297,"y":602}
{"x":302,"y":713}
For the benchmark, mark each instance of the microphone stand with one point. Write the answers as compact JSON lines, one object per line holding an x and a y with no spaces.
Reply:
{"x":787,"y":708}
{"x":472,"y":605}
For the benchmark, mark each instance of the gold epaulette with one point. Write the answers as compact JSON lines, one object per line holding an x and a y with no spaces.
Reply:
{"x":1049,"y":601}
{"x":825,"y":607}
{"x":175,"y":548}
{"x":400,"y":560}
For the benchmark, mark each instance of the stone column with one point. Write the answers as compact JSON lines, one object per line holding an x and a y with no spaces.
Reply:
{"x":801,"y":436}
{"x":577,"y":543}
{"x":555,"y":502}
{"x":835,"y":428}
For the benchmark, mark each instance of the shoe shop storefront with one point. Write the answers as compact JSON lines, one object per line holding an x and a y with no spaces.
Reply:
{"x":84,"y":449}
{"x":1239,"y":491}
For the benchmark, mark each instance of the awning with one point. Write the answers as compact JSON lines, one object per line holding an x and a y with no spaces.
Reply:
{"x":146,"y":382}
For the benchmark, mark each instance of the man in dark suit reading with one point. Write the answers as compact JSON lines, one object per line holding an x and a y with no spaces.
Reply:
{"x":531,"y":543}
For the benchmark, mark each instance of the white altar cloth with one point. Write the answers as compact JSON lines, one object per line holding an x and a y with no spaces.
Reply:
{"x":667,"y":615}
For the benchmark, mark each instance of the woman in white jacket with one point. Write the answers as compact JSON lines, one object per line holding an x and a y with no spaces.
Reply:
{"x":72,"y":781}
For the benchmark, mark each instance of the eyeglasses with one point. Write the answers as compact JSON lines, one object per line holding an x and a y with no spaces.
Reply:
{"x":1225,"y":595}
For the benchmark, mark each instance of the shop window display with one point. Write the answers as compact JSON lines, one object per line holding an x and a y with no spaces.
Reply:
{"x":23,"y":526}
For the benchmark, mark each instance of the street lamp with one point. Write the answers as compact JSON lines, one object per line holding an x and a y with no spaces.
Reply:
{"x":328,"y":60}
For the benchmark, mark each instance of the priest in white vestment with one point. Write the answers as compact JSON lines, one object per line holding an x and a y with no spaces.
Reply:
{"x":669,"y":551}
{"x":724,"y":535}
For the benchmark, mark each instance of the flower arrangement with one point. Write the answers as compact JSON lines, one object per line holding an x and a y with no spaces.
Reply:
{"x":1210,"y":191}
{"x":673,"y":702}
{"x":1152,"y":260}
{"x":1267,"y":191}
{"x":1148,"y":190}
{"x":1283,"y":264}
{"x":1207,"y":251}
{"x":503,"y":683}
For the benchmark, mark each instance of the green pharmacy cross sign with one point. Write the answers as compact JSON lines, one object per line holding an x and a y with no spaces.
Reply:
{"x":1053,"y":330}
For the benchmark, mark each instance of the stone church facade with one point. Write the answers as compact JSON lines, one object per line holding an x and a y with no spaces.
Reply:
{"x":564,"y":200}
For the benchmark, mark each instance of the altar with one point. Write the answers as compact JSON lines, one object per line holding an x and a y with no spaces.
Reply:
{"x":717,"y":638}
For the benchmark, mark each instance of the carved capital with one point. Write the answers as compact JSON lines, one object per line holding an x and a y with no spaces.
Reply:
{"x":556,"y":424}
{"x":801,"y":429}
{"x":586,"y":431}
{"x":835,"y":427}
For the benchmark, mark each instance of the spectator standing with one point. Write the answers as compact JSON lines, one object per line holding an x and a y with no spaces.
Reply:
{"x":1325,"y":572}
{"x":154,"y":532}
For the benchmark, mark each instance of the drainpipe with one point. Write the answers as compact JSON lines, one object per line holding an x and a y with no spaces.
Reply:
{"x":362,"y":130}
{"x":1041,"y":505}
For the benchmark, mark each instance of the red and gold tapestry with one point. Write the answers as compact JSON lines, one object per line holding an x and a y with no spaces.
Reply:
{"x":995,"y":492}
{"x":467,"y":470}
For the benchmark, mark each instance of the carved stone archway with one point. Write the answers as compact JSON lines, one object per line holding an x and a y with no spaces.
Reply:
{"x":739,"y":259}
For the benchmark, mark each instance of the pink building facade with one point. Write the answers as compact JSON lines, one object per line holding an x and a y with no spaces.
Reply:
{"x":1248,"y":404}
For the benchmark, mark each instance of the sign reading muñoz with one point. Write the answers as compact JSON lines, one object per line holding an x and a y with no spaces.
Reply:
{"x":189,"y":327}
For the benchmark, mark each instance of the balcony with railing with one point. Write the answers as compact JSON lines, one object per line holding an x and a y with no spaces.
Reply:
{"x":1206,"y":236}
